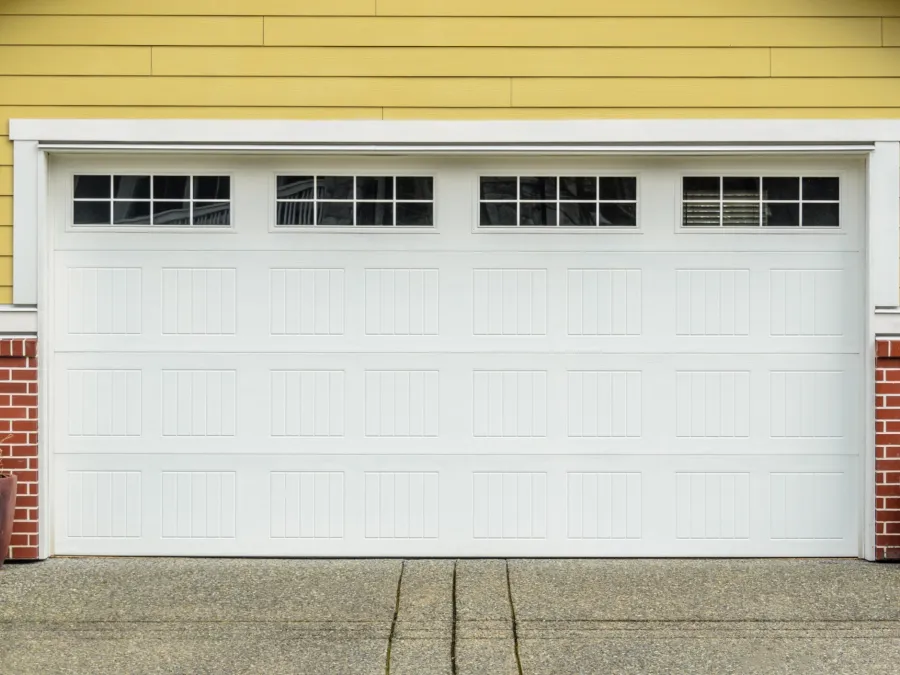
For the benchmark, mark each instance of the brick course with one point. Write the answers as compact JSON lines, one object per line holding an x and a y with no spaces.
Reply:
{"x":18,"y":419}
{"x":887,"y":450}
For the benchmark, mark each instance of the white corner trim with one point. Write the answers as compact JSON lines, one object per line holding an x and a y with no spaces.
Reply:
{"x":27,"y":184}
{"x":411,"y":133}
{"x":18,"y":321}
{"x":883,"y":214}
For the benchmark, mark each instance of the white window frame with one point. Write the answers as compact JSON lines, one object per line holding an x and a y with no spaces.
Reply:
{"x":36,"y":141}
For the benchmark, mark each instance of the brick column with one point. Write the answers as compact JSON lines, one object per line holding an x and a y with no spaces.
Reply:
{"x":18,"y":416}
{"x":887,"y":450}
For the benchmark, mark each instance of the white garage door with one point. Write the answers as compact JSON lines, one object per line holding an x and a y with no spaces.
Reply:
{"x":456,"y":357}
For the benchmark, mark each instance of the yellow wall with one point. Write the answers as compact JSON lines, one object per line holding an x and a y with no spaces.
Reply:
{"x":406,"y":59}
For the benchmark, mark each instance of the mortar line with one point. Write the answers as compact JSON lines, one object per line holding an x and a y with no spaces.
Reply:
{"x":387,"y":665}
{"x":453,"y":623}
{"x":515,"y":628}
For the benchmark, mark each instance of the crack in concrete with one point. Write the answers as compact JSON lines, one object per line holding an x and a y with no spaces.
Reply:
{"x":387,"y":666}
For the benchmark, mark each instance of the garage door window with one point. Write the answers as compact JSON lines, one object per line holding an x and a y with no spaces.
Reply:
{"x":355,"y":201}
{"x":144,"y":200}
{"x":767,"y":201}
{"x":558,"y":201}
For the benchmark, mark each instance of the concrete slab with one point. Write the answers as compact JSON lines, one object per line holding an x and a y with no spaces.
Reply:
{"x":705,"y":590}
{"x":185,"y":648}
{"x":426,"y":600}
{"x":169,"y":589}
{"x":483,"y":656}
{"x":421,"y":656}
{"x":638,"y":655}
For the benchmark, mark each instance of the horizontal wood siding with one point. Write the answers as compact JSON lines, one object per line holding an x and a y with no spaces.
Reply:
{"x":433,"y":59}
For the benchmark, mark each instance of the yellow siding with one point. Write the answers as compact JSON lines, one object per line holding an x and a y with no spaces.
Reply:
{"x":441,"y":59}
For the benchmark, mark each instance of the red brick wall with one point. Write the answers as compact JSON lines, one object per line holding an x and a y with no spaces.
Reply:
{"x":18,"y":416}
{"x":887,"y":452}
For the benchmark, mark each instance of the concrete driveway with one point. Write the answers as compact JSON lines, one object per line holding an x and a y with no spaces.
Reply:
{"x":441,"y":616}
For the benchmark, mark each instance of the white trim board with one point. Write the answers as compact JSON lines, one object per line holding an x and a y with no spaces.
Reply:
{"x":455,"y":132}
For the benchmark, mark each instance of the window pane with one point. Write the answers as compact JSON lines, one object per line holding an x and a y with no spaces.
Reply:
{"x":91,"y":213}
{"x":786,"y":189}
{"x":618,"y":215}
{"x":295,"y":187}
{"x":93,"y":187}
{"x":740,"y":215}
{"x":537,"y":187}
{"x":699,"y":214}
{"x":618,"y":189}
{"x":374,"y":213}
{"x":335,"y":187}
{"x":701,"y":187}
{"x":577,"y":214}
{"x":212,"y":213}
{"x":171,"y":187}
{"x":821,"y":215}
{"x":498,"y":214}
{"x":217,"y":188}
{"x":579,"y":188}
{"x":171,"y":213}
{"x":373,"y":187}
{"x":295,"y":213}
{"x":131,"y":187}
{"x":334,"y":213}
{"x":741,"y":188}
{"x":414,"y":187}
{"x":131,"y":213}
{"x":499,"y":188}
{"x":415,"y":214}
{"x":828,"y":189}
{"x":781,"y":215}
{"x":540,"y":213}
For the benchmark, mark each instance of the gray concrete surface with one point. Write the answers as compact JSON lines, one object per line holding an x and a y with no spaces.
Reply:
{"x":449,"y":617}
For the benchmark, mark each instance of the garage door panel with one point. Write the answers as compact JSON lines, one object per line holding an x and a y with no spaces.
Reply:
{"x":459,"y":392}
{"x":616,"y":505}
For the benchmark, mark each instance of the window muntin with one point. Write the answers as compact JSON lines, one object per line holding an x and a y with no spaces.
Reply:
{"x":354,"y":201}
{"x":557,"y":201}
{"x":761,"y":201}
{"x":151,"y":200}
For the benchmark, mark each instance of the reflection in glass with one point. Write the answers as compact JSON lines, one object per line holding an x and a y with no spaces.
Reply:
{"x":537,"y":213}
{"x":702,"y":187}
{"x":573,"y":213}
{"x":131,"y":213}
{"x":92,"y":187}
{"x":537,"y":187}
{"x":214,"y":188}
{"x":295,"y":213}
{"x":171,"y":188}
{"x":741,"y":187}
{"x":212,"y":213}
{"x":740,"y":214}
{"x":334,"y":213}
{"x":781,"y":215}
{"x":701,"y":214}
{"x":374,"y":213}
{"x":374,"y":187}
{"x":618,"y":215}
{"x":295,"y":187}
{"x":578,"y":188}
{"x":334,"y":187}
{"x":415,"y":214}
{"x":618,"y":189}
{"x":781,"y":189}
{"x":498,"y":214}
{"x":171,"y":213}
{"x":131,"y":187}
{"x":502,"y":188}
{"x":821,"y":189}
{"x":415,"y":187}
{"x":821,"y":215}
{"x":91,"y":213}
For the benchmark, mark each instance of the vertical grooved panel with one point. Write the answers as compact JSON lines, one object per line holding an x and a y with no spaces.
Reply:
{"x":306,"y":301}
{"x":807,"y":505}
{"x":509,"y":505}
{"x":604,"y":404}
{"x":307,"y":403}
{"x":199,"y":402}
{"x":104,"y":403}
{"x":604,"y":302}
{"x":103,"y":504}
{"x":199,"y":301}
{"x":806,"y":303}
{"x":509,"y":302}
{"x":604,"y":506}
{"x":104,"y":300}
{"x":402,"y":505}
{"x":712,"y":404}
{"x":510,"y":404}
{"x":198,"y":504}
{"x":712,"y":302}
{"x":306,"y":505}
{"x":712,"y":505}
{"x":402,"y":301}
{"x":402,"y":403}
{"x":807,"y":404}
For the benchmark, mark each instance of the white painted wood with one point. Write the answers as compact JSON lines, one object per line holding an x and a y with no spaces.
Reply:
{"x":410,"y":133}
{"x":18,"y":321}
{"x":884,"y":223}
{"x":26,"y":187}
{"x":458,"y":392}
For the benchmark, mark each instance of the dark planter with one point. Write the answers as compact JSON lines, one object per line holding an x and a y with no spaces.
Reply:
{"x":7,"y":511}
